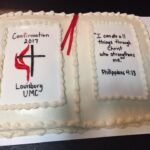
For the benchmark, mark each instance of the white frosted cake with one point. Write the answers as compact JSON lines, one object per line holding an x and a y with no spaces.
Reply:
{"x":72,"y":72}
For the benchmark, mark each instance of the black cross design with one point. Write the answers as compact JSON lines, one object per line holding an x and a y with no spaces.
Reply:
{"x":32,"y":56}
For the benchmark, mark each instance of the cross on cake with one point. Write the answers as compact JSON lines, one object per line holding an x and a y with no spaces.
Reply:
{"x":71,"y":72}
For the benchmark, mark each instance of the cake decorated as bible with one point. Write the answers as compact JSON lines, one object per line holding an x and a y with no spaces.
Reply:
{"x":72,"y":72}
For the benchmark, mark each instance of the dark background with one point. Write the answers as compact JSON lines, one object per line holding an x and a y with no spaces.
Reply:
{"x":137,"y":7}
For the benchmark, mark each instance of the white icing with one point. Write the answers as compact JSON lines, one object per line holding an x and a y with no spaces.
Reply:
{"x":117,"y":76}
{"x":76,"y":114}
{"x":48,"y":75}
{"x":98,"y":116}
{"x":44,"y":119}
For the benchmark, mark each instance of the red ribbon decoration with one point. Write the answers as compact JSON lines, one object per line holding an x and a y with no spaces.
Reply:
{"x":70,"y":32}
{"x":20,"y":64}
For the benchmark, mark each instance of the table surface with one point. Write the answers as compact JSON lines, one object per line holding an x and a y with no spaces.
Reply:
{"x":137,"y":7}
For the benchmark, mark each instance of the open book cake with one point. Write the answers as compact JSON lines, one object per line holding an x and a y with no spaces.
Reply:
{"x":72,"y":72}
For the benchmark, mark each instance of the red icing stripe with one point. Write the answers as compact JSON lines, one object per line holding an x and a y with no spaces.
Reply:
{"x":70,"y":32}
{"x":20,"y":64}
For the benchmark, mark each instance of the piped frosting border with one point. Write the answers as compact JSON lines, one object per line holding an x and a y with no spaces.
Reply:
{"x":132,"y":120}
{"x":144,"y":117}
{"x":46,"y":104}
{"x":94,"y":68}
